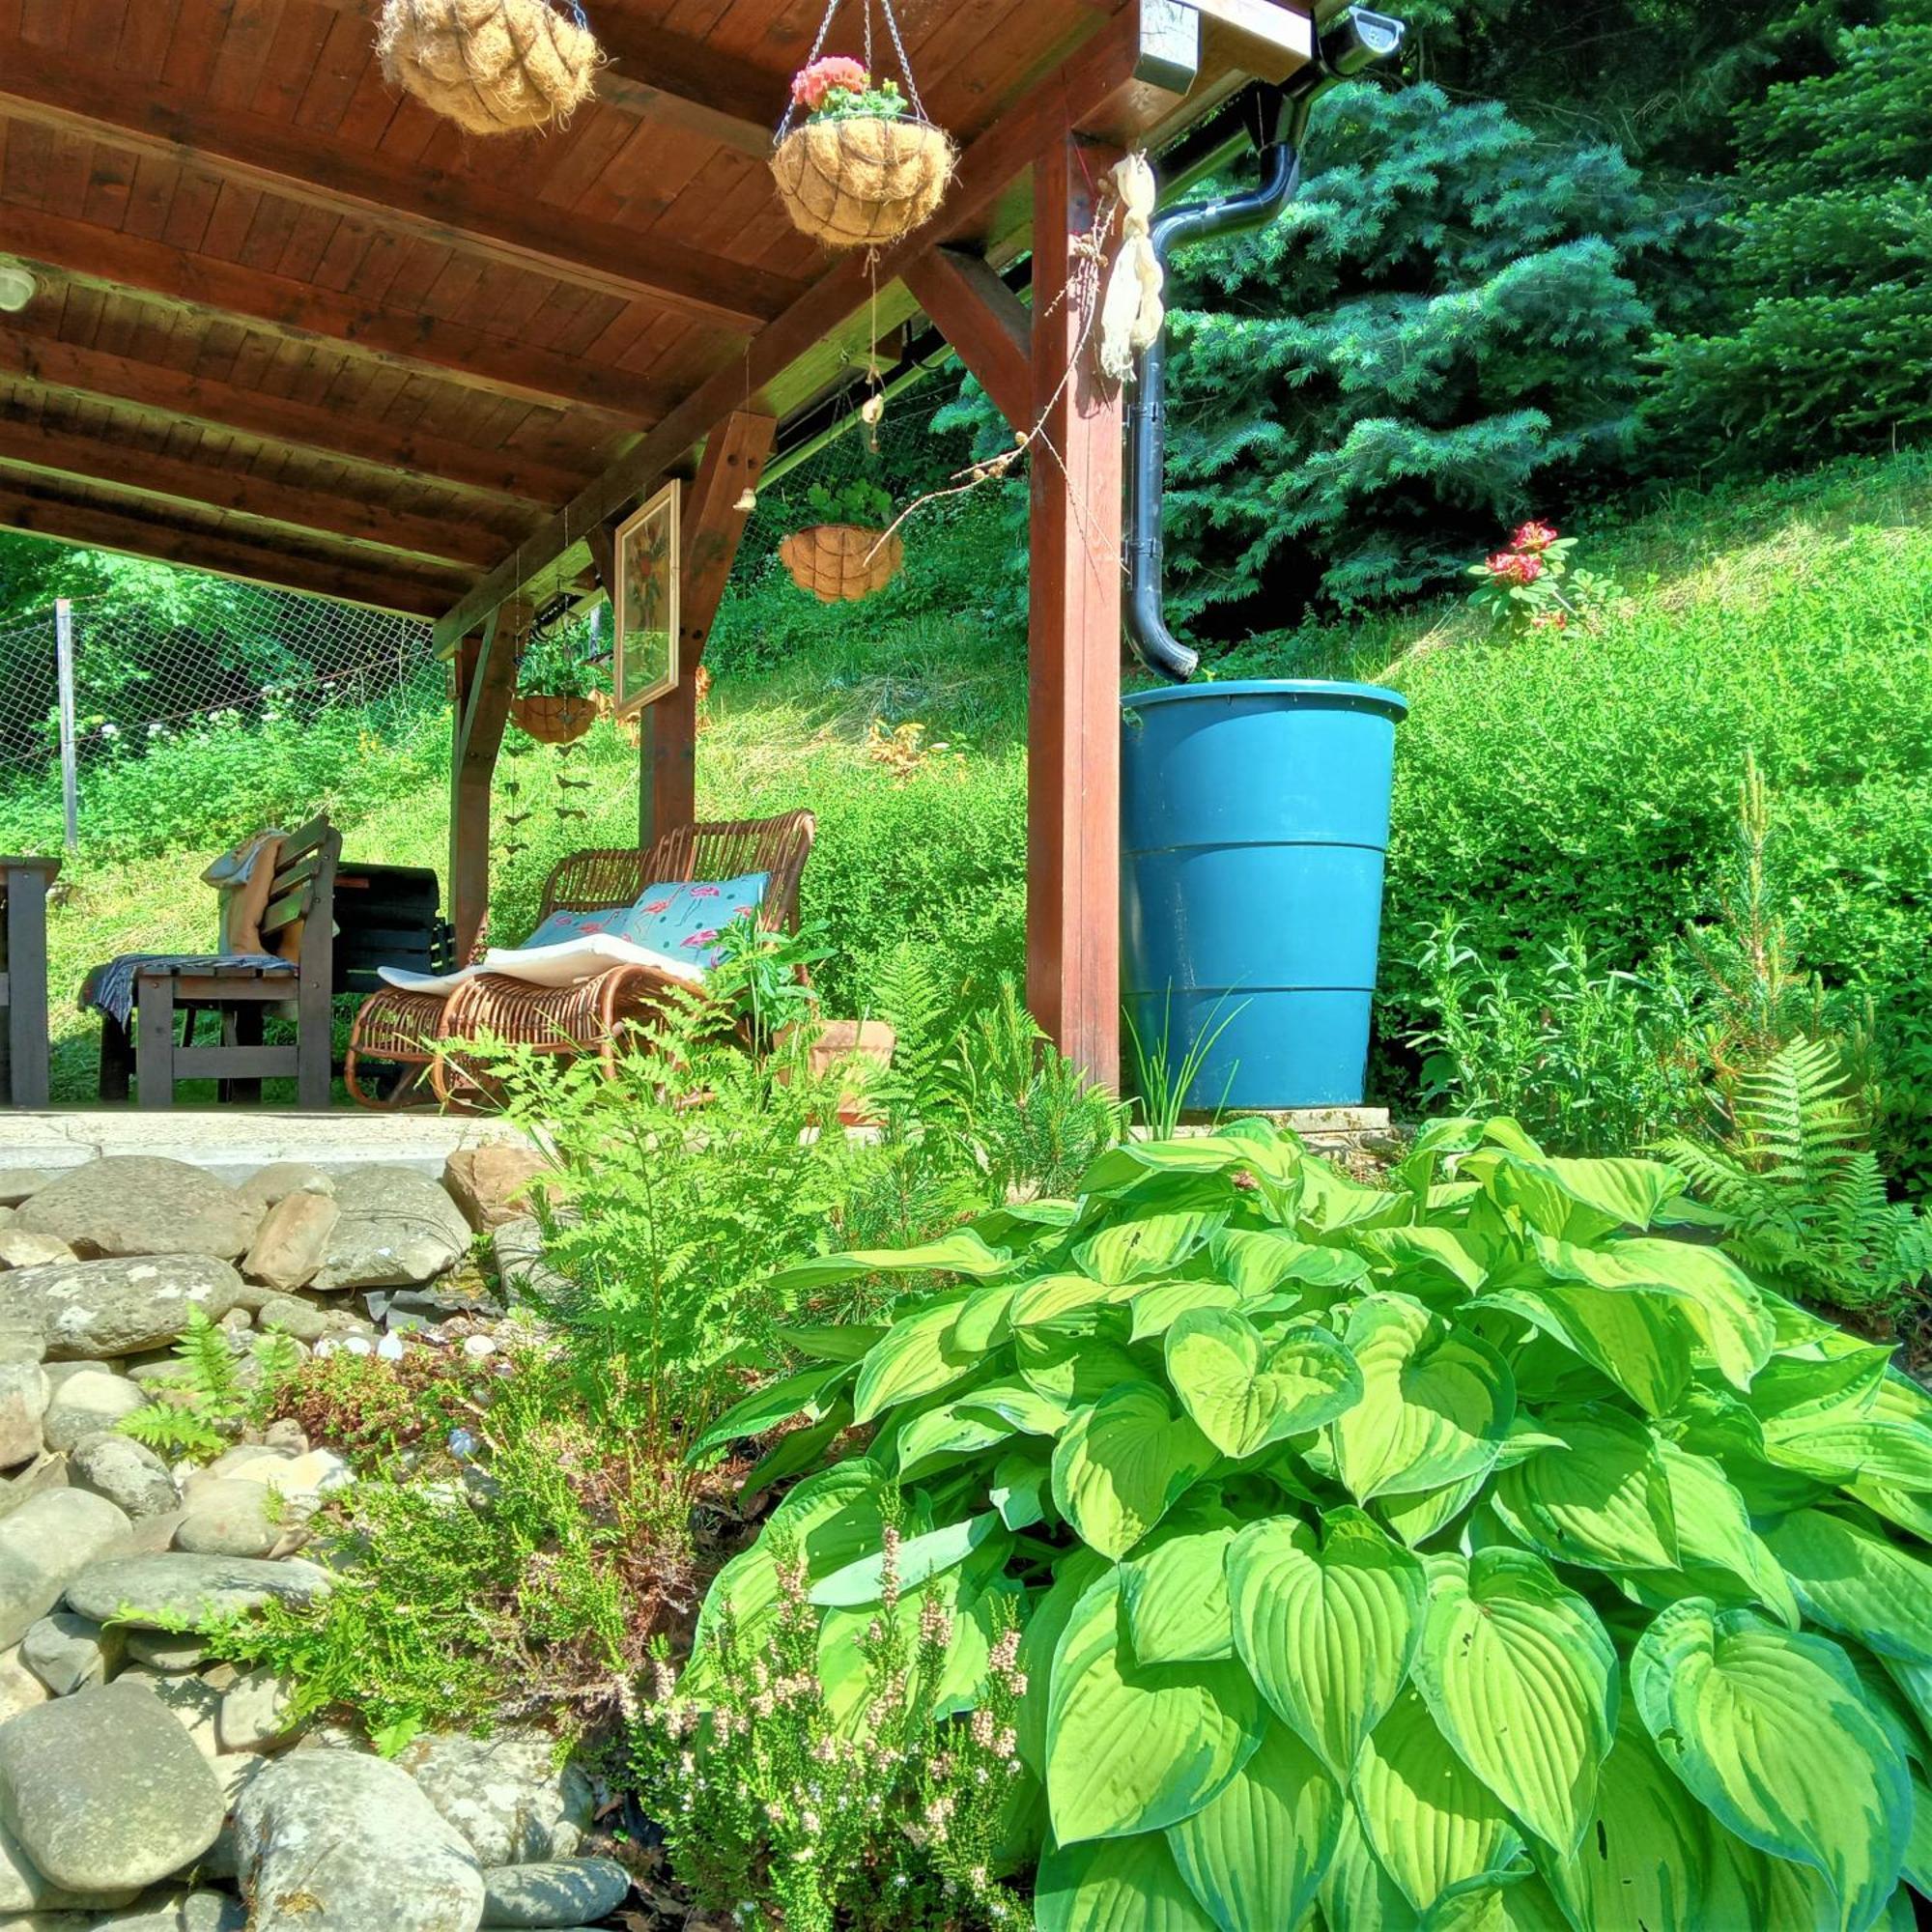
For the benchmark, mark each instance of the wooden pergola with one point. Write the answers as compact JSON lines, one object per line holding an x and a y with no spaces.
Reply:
{"x":293,"y":328}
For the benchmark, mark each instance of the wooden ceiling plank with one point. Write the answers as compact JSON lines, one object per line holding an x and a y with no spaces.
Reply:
{"x":1096,"y":85}
{"x":199,"y":548}
{"x":469,"y":356}
{"x":358,"y":434}
{"x":54,"y":448}
{"x":273,"y":156}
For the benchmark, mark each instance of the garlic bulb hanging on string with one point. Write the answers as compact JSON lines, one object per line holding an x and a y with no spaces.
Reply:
{"x":1131,"y":310}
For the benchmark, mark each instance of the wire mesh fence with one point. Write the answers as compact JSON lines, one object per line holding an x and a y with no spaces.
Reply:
{"x":218,"y":661}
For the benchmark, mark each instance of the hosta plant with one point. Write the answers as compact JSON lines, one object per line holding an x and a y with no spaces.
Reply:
{"x":1467,"y":1553}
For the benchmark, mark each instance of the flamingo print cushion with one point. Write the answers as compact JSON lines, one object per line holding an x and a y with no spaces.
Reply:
{"x":685,"y":919}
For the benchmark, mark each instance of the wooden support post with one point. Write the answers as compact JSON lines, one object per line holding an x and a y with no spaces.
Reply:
{"x":712,"y":524}
{"x":1073,"y":644}
{"x":486,"y":678}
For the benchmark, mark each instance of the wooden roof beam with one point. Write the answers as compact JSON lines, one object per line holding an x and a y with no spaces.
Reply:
{"x":198,"y":548}
{"x":656,"y":74}
{"x":987,"y":325}
{"x":68,"y":369}
{"x":483,"y":220}
{"x":1097,"y":87}
{"x":302,"y":311}
{"x":57,"y":450}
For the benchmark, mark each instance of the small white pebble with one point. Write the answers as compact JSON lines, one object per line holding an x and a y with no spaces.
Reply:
{"x":478,"y":1345}
{"x":328,"y":1346}
{"x":391,"y":1347}
{"x":358,"y":1344}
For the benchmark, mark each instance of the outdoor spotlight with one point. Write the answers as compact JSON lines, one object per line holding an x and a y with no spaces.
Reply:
{"x":17,"y":288}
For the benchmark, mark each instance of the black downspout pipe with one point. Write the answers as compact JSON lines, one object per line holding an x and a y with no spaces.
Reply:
{"x":1281,"y":120}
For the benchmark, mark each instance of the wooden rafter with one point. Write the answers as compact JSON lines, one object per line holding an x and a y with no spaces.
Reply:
{"x":55,"y":450}
{"x":661,"y":75}
{"x":482,"y":220}
{"x":988,"y":324}
{"x":1095,"y":87}
{"x":70,"y":369}
{"x":204,"y":547}
{"x":112,"y":260}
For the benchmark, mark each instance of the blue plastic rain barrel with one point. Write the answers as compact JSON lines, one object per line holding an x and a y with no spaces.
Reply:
{"x":1253,"y":821}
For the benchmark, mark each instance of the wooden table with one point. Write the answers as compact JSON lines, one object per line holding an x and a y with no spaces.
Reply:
{"x":23,"y":980}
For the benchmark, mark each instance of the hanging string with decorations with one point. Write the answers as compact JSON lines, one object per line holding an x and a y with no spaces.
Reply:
{"x":857,"y":161}
{"x":493,"y":66}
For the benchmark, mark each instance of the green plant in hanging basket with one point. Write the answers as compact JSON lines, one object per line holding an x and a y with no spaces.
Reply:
{"x":847,"y":553}
{"x":863,"y":167}
{"x":556,"y":686}
{"x":1463,"y":1553}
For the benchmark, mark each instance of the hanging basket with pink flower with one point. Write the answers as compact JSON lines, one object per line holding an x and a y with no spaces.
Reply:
{"x":493,"y":66}
{"x":857,"y":165}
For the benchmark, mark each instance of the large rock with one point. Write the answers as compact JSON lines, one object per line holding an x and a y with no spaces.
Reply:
{"x":67,"y":1652}
{"x":562,"y":1893}
{"x":19,"y":1183}
{"x":282,"y":1178}
{"x":336,"y":1842}
{"x":258,"y":1712}
{"x":45,"y":1543}
{"x":526,"y":1275}
{"x":506,"y":1794}
{"x":230,"y":1518}
{"x":98,"y":1310}
{"x":105,"y":1790}
{"x":302,"y":1321}
{"x":129,"y":1474}
{"x":397,"y":1228}
{"x":23,"y":1401}
{"x":138,"y":1204}
{"x":19,"y":1689}
{"x":174,"y":1589}
{"x":490,"y":1182}
{"x":21,"y":1249}
{"x":24,"y":1887}
{"x":195,"y":1704}
{"x":87,"y":1404}
{"x":293,"y":1241}
{"x":179,"y":1911}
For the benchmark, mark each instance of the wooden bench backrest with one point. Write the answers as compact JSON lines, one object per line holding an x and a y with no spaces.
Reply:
{"x":303,"y":895}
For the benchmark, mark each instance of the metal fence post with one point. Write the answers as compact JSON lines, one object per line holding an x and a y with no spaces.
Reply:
{"x":70,"y":778}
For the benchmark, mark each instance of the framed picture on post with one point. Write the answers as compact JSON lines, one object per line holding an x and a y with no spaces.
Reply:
{"x":645,"y":605}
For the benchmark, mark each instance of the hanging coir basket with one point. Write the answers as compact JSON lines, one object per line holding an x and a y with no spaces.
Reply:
{"x":552,"y":720}
{"x":864,"y":166}
{"x":493,"y":66}
{"x":840,"y":563}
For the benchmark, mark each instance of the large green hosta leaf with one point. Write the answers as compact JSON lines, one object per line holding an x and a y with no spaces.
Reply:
{"x":1176,"y":1599}
{"x":1154,"y":1311}
{"x":961,"y":1252}
{"x":1770,"y":1731}
{"x":1134,"y":1748}
{"x":776,"y":1402}
{"x":1644,"y":1862}
{"x":1245,"y":1391}
{"x":1121,"y":1464}
{"x":1521,"y":1677}
{"x":1435,"y":1404}
{"x":1358,"y":1893}
{"x":1428,"y":1818}
{"x":1721,"y":1554}
{"x":1073,"y":1369}
{"x":1602,"y":1499}
{"x":1136,"y":1249}
{"x":1262,"y":1263}
{"x":1639,"y":1341}
{"x":1128,"y":1885}
{"x":1255,"y":1854}
{"x":1328,"y":1629}
{"x":1053,"y":1295}
{"x":1857,"y":1583}
{"x":917,"y":1357}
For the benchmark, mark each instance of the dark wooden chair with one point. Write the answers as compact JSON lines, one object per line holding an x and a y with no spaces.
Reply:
{"x":301,"y":895}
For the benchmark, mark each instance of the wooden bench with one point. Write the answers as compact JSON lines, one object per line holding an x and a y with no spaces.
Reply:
{"x":301,"y":895}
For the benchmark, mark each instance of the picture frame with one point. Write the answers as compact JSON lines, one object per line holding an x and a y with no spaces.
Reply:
{"x":647,"y":565}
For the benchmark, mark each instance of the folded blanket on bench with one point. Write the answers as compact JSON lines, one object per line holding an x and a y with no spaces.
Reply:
{"x":110,"y":989}
{"x":567,"y":963}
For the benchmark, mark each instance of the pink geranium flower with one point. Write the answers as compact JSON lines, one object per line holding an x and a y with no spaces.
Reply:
{"x":811,"y":84}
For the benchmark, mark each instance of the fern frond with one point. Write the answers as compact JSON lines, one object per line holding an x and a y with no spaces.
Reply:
{"x":173,"y":1432}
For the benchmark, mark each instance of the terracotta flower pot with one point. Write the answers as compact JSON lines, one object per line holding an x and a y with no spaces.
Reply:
{"x":493,"y":66}
{"x":863,"y":182}
{"x":840,"y":563}
{"x":552,"y":720}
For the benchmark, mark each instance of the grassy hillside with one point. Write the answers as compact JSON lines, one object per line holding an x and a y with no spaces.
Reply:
{"x":1582,"y":778}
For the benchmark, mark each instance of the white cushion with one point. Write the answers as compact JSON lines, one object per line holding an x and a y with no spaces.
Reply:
{"x":564,"y":964}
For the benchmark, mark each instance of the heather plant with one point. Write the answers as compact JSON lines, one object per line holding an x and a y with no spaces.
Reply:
{"x":1467,"y":1549}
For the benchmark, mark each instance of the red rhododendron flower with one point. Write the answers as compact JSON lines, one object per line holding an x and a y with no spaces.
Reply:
{"x":1516,"y":566}
{"x":1533,"y":537}
{"x":811,"y":84}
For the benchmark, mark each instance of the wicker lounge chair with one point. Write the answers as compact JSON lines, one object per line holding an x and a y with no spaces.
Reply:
{"x":421,"y":1035}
